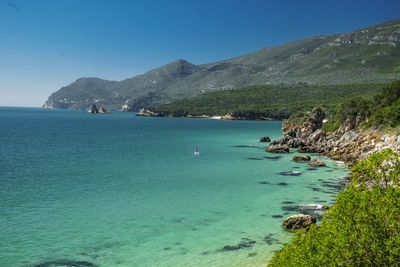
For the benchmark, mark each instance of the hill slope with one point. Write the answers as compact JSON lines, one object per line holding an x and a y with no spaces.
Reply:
{"x":267,"y":101}
{"x":371,"y":55}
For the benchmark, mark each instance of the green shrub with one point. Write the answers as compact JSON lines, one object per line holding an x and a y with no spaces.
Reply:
{"x":361,"y":229}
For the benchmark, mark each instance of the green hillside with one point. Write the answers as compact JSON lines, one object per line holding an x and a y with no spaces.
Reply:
{"x":271,"y":101}
{"x":370,"y":55}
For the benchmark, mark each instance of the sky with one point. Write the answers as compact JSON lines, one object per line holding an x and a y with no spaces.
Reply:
{"x":47,"y":44}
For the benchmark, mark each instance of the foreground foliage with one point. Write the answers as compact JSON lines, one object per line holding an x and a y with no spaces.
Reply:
{"x":362,"y":228}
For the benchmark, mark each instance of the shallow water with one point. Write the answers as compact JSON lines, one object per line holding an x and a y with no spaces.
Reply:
{"x":119,"y":190}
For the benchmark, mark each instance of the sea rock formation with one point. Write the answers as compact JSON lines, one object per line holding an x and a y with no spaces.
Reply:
{"x":265,"y":139}
{"x":298,"y":221}
{"x":348,"y":143}
{"x":96,"y":109}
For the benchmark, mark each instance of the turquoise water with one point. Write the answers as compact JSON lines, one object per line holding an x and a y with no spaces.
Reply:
{"x":120,"y":190}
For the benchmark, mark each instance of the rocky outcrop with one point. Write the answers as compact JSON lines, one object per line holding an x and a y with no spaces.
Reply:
{"x":95,"y":109}
{"x":278,"y":148}
{"x":298,"y":221}
{"x":147,"y":113}
{"x":348,"y":143}
{"x":265,"y":139}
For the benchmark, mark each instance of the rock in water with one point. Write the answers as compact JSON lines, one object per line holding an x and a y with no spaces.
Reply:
{"x":96,"y":109}
{"x":65,"y":262}
{"x":102,"y":110}
{"x":298,"y":221}
{"x":301,"y":158}
{"x":93,"y":109}
{"x":265,"y":139}
{"x":278,"y":149}
{"x":316,"y":163}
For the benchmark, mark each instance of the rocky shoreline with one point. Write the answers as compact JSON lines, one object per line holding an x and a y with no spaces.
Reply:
{"x":349,"y":143}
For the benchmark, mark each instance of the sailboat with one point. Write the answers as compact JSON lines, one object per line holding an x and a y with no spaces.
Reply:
{"x":196,"y":151}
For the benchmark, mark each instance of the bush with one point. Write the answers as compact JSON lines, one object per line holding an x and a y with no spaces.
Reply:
{"x":361,"y":229}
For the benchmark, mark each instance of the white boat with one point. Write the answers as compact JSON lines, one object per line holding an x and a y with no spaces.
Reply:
{"x":196,"y":151}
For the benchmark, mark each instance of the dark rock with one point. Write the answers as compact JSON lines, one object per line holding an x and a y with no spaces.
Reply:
{"x":317,"y":117}
{"x":282,"y":184}
{"x":278,"y":149}
{"x":254,"y":158}
{"x":265,"y":139}
{"x":102,"y":110}
{"x":64,"y":262}
{"x":298,"y":221}
{"x":277,"y":216}
{"x":273,"y":158}
{"x":287,"y":202}
{"x":93,"y":109}
{"x":301,"y":159}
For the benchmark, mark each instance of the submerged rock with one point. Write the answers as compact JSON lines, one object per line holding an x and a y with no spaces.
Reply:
{"x":273,"y":158}
{"x":244,"y":244}
{"x":316,"y":163}
{"x":298,"y":221}
{"x":278,"y":149}
{"x":301,"y":159}
{"x":265,"y":139}
{"x":65,"y":262}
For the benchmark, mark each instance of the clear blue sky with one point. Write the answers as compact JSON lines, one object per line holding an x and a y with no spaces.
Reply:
{"x":47,"y":44}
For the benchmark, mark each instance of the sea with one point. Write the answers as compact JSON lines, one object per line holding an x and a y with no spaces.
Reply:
{"x":80,"y":189}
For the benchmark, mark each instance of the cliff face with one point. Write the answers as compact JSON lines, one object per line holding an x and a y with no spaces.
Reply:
{"x":349,"y":143}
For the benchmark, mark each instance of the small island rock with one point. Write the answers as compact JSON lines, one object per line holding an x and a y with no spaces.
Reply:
{"x":95,"y":109}
{"x":265,"y":139}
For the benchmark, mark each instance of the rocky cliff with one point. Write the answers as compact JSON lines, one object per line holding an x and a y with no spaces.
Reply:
{"x":349,"y":143}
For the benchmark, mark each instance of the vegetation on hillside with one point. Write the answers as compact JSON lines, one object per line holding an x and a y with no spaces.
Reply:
{"x":270,"y":101}
{"x":370,"y":55}
{"x":362,"y":228}
{"x":380,"y":111}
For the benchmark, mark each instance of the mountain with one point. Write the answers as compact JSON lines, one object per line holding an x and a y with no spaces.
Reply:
{"x":370,"y":55}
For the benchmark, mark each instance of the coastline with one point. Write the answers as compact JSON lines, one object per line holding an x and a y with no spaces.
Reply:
{"x":229,"y":116}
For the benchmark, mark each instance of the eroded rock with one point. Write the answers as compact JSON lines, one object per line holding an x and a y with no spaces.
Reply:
{"x":298,"y":221}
